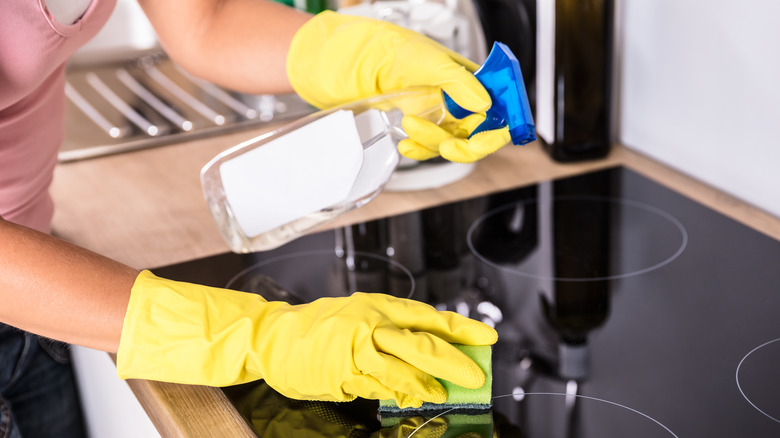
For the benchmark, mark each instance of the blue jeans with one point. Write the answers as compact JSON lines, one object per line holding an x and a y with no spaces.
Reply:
{"x":38,"y":395}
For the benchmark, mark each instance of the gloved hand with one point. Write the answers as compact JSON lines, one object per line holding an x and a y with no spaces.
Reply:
{"x":366,"y":345}
{"x":450,"y":139}
{"x":335,"y":59}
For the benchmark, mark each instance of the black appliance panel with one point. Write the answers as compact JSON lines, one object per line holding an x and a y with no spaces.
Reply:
{"x":623,"y":308}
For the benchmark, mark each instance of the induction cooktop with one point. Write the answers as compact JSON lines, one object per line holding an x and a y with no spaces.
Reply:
{"x":624,"y":309}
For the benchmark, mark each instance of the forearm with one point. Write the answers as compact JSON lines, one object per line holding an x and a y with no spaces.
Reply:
{"x":58,"y":290}
{"x":239,"y":44}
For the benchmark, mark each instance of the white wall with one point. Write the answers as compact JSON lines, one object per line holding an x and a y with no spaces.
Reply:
{"x":127,"y":31}
{"x":699,"y":89}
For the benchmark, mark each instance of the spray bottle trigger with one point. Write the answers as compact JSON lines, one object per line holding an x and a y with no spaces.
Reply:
{"x":503,"y":80}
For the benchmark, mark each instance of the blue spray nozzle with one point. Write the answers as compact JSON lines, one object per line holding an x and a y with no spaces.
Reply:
{"x":503,"y":80}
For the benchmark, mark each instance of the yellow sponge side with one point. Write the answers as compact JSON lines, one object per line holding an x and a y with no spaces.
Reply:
{"x":482,"y":355}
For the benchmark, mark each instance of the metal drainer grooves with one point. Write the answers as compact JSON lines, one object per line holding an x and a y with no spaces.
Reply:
{"x":127,"y":105}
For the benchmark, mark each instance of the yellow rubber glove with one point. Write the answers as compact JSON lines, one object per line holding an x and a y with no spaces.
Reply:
{"x":450,"y":139}
{"x":336,"y":349}
{"x":335,"y":59}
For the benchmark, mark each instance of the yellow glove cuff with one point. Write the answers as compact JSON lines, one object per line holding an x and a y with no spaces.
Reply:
{"x":184,"y":333}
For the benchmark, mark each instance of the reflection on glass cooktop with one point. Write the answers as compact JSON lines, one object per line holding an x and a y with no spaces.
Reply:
{"x":623,"y":309}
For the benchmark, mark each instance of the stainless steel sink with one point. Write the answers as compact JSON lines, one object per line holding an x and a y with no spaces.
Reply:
{"x":147,"y":101}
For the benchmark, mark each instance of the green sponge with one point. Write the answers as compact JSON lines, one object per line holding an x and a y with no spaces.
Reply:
{"x":458,"y":397}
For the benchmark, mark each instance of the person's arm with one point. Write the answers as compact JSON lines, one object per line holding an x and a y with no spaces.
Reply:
{"x":377,"y":346}
{"x":58,"y":290}
{"x":238,"y":44}
{"x":260,"y":46}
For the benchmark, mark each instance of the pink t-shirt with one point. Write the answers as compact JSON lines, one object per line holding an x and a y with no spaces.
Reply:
{"x":33,"y":50}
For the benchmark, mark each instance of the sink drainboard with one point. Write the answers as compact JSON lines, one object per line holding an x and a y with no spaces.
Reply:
{"x":149,"y":101}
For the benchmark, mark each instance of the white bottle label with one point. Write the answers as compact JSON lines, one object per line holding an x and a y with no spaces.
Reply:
{"x":292,"y":176}
{"x":379,"y":159}
{"x":545,"y":70}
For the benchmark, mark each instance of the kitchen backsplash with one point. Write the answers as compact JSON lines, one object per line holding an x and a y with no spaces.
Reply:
{"x":699,"y":91}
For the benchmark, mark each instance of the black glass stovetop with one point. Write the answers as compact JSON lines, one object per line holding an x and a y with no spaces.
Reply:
{"x":623,"y":309}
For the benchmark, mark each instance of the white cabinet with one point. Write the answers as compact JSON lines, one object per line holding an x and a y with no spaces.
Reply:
{"x":110,"y":407}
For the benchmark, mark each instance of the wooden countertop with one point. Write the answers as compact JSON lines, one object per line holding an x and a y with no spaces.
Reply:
{"x":146,"y":209}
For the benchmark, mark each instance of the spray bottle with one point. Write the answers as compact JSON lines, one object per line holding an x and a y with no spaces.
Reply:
{"x":277,"y":187}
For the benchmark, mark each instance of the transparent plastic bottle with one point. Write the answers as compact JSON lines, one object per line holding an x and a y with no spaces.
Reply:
{"x":276,"y":187}
{"x":363,"y":134}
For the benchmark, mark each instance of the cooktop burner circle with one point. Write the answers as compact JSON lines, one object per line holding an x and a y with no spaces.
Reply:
{"x":577,"y":238}
{"x":327,"y":273}
{"x":752,"y":372}
{"x":626,"y":419}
